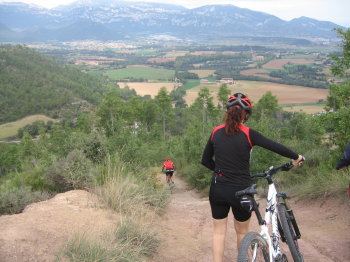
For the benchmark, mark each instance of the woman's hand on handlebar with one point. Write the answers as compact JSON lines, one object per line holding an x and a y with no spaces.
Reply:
{"x":299,"y":161}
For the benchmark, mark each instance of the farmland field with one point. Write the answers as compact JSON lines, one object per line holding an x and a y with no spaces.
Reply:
{"x":279,"y":63}
{"x":147,"y":88}
{"x":256,"y":72}
{"x":145,"y":72}
{"x":202,"y":73}
{"x":11,"y":128}
{"x":309,"y":109}
{"x":286,"y":94}
{"x":176,"y":53}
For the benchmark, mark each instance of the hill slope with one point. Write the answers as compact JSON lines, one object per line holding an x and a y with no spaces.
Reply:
{"x":31,"y":83}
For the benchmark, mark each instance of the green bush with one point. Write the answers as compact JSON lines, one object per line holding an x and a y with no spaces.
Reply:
{"x":13,"y":201}
{"x":72,"y":172}
{"x":197,"y":175}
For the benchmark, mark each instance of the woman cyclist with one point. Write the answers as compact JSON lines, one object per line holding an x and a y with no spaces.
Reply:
{"x":230,"y":145}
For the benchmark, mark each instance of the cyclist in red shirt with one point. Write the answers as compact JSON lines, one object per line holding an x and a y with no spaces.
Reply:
{"x":169,"y":169}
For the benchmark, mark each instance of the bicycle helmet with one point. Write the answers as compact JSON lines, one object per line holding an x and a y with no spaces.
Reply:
{"x":240,"y":100}
{"x":167,"y":159}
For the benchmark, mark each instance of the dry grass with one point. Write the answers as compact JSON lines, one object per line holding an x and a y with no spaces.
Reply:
{"x":286,"y":94}
{"x":204,"y":53}
{"x":308,"y":109}
{"x":11,"y":128}
{"x":176,"y":53}
{"x":143,"y":88}
{"x":202,"y":73}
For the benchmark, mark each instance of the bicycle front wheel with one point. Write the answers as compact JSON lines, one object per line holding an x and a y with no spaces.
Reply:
{"x":253,"y":248}
{"x":289,"y":233}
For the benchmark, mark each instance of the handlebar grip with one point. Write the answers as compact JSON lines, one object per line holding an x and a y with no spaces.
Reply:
{"x":287,"y":166}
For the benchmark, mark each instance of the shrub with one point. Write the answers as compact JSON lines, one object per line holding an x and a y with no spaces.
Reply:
{"x":72,"y":172}
{"x":95,"y":147}
{"x":124,"y":191}
{"x":138,"y":237}
{"x":323,"y":183}
{"x":130,"y":242}
{"x":80,"y":248}
{"x":13,"y":201}
{"x":197,"y":175}
{"x":123,"y":194}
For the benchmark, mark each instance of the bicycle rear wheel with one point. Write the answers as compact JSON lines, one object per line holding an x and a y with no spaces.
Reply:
{"x":289,"y":233}
{"x":253,"y":248}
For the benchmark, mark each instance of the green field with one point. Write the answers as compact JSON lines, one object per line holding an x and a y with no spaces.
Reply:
{"x":272,"y":70}
{"x":149,"y":73}
{"x":10,"y":129}
{"x":190,"y":83}
{"x":147,"y":52}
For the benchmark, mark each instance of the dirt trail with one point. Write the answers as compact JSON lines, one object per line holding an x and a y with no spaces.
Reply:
{"x":38,"y":234}
{"x":187,"y":229}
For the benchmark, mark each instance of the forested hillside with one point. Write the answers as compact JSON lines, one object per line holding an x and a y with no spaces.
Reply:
{"x":31,"y":83}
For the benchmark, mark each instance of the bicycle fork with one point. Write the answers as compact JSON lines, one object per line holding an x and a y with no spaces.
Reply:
{"x":283,"y":199}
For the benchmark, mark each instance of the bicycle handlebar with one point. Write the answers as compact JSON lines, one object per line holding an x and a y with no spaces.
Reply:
{"x":272,"y":170}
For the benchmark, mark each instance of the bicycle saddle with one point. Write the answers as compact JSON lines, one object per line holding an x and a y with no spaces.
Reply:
{"x":248,"y":191}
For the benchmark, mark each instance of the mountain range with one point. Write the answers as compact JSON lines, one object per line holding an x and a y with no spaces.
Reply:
{"x":116,"y":20}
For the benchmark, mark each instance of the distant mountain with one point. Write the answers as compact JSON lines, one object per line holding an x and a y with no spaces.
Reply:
{"x":112,"y":20}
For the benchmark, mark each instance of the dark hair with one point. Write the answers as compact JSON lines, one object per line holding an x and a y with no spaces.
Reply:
{"x":233,"y":118}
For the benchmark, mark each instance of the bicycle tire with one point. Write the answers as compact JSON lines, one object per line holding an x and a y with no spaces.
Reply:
{"x":250,"y":244}
{"x":289,"y":233}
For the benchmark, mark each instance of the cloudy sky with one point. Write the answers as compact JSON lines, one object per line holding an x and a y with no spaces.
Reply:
{"x":336,"y":11}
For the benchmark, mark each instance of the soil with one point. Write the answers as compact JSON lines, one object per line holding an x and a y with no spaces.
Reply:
{"x":187,"y":229}
{"x":39,"y":233}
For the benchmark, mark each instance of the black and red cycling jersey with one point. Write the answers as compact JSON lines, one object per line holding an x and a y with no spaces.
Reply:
{"x":232,"y":153}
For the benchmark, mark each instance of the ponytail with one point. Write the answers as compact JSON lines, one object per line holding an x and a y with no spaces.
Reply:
{"x":233,"y":119}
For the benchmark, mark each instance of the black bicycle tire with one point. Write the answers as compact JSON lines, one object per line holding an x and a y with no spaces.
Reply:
{"x":246,"y":243}
{"x":289,"y":234}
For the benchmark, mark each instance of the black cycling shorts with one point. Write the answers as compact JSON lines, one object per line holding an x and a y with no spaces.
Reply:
{"x":169,"y":172}
{"x":222,"y":198}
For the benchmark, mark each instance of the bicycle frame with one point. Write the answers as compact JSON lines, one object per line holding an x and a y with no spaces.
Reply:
{"x":270,"y":226}
{"x":271,"y":218}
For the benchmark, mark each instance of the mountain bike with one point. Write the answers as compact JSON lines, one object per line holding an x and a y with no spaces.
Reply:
{"x":278,"y":224}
